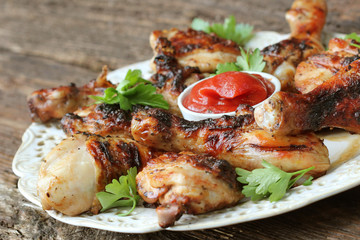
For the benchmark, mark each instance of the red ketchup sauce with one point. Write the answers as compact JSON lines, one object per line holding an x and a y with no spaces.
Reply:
{"x":226,"y":91}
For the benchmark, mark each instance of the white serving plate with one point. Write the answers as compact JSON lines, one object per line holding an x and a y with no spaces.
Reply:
{"x":344,"y":174}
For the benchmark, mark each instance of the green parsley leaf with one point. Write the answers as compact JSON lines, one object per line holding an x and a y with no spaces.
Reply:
{"x":131,"y":91}
{"x":239,"y":33}
{"x":132,"y":78}
{"x":355,"y":37}
{"x":227,"y":67}
{"x":269,"y":181}
{"x":251,"y":61}
{"x":200,"y":25}
{"x":248,"y":61}
{"x":120,"y":193}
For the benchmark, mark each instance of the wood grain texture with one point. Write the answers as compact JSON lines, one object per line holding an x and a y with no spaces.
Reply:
{"x":49,"y":43}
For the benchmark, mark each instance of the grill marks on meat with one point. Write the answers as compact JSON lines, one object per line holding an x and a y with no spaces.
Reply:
{"x":187,"y":183}
{"x":321,"y":67}
{"x":169,"y":71}
{"x":171,"y":78}
{"x":194,"y":48}
{"x":335,"y":104}
{"x":103,"y":119}
{"x":306,"y":20}
{"x":184,"y":57}
{"x":237,"y":140}
{"x":49,"y":104}
{"x":283,"y":57}
{"x":80,"y":166}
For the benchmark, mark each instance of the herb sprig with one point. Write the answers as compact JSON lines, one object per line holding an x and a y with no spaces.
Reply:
{"x":269,"y":181}
{"x":248,"y":61}
{"x":355,"y":37}
{"x":240,"y":33}
{"x":120,"y":193}
{"x":131,"y":91}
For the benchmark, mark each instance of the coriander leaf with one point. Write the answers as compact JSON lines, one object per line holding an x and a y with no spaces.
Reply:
{"x":250,"y":191}
{"x":263,"y":178}
{"x":251,"y":61}
{"x":239,"y":33}
{"x":132,"y":179}
{"x":243,"y":174}
{"x":308,"y":181}
{"x":120,"y":193}
{"x":244,"y":32}
{"x":256,"y":61}
{"x":131,"y":91}
{"x":145,"y":95}
{"x":242,"y":61}
{"x":200,"y":25}
{"x":123,"y":102}
{"x":278,"y":189}
{"x":355,"y":37}
{"x":248,"y":61}
{"x":132,"y":78}
{"x":110,"y":96}
{"x":226,"y":67}
{"x":269,"y":181}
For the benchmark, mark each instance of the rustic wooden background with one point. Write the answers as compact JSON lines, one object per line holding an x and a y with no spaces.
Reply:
{"x":46,"y":43}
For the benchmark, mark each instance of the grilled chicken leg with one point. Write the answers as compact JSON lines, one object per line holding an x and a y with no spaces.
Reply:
{"x":103,"y":119}
{"x":235,"y":139}
{"x":321,"y":67}
{"x":49,"y":104}
{"x":335,"y":104}
{"x":80,"y":166}
{"x":306,"y":19}
{"x":187,"y":183}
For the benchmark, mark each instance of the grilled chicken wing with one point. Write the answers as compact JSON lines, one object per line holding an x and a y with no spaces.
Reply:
{"x":335,"y":103}
{"x":306,"y":19}
{"x":321,"y":67}
{"x":194,"y":48}
{"x":187,"y":183}
{"x":80,"y":166}
{"x":235,"y":139}
{"x":54,"y":103}
{"x":103,"y":119}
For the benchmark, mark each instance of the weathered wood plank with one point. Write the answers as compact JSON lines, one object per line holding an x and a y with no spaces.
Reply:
{"x":93,"y":33}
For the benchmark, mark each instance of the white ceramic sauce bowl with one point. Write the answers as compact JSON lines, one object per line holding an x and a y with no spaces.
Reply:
{"x":194,"y":116}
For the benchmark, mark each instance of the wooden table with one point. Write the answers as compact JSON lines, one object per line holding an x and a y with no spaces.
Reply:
{"x":47,"y":43}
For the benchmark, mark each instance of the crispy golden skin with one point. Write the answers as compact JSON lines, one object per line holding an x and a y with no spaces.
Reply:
{"x":335,"y":104}
{"x":49,"y":104}
{"x":194,"y":48}
{"x":171,"y":79}
{"x":237,"y":140}
{"x":321,"y":67}
{"x":80,"y":166}
{"x":103,"y":119}
{"x":306,"y":19}
{"x":187,"y":183}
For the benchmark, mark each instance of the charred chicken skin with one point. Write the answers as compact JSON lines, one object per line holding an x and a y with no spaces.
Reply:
{"x":49,"y":104}
{"x":80,"y":166}
{"x":103,"y":119}
{"x":187,"y":183}
{"x":334,"y":104}
{"x":195,"y":48}
{"x":171,"y":78}
{"x":237,"y":140}
{"x":321,"y":67}
{"x":306,"y":19}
